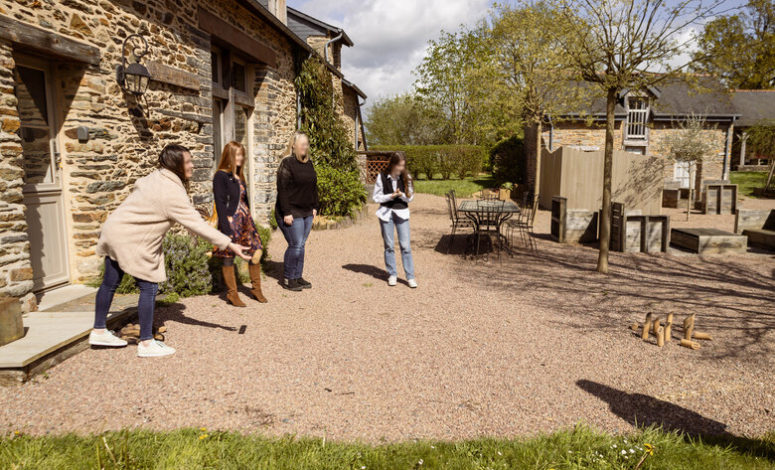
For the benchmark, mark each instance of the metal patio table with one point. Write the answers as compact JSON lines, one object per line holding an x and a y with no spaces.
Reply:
{"x":485,"y":214}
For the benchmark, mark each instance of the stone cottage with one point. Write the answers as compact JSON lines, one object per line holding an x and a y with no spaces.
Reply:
{"x":73,"y":140}
{"x":643,"y":120}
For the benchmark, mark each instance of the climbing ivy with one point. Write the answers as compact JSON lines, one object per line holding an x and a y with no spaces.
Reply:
{"x":331,"y":150}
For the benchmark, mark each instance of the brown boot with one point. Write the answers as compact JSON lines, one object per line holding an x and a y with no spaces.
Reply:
{"x":255,"y":277}
{"x":230,"y":279}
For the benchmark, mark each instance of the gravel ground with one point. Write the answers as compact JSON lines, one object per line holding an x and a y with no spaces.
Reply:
{"x":532,"y":343}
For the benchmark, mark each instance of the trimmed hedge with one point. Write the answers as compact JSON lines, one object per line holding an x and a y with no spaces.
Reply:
{"x":445,"y":160}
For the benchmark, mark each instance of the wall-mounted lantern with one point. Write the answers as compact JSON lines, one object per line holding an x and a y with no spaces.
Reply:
{"x":133,"y":78}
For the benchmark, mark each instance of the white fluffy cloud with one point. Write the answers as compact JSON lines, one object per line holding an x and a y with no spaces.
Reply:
{"x":390,"y":36}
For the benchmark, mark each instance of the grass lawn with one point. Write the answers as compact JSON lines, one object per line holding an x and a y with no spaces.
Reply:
{"x":463,"y":188}
{"x":190,"y":449}
{"x":746,"y":181}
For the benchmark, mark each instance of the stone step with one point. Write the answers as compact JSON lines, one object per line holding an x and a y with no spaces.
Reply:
{"x":55,"y":335}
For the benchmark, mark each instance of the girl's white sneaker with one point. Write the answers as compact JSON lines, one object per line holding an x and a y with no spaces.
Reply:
{"x":155,"y":349}
{"x":105,"y":339}
{"x":412,"y":283}
{"x":392,"y":280}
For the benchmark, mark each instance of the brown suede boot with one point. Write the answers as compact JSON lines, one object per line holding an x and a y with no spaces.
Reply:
{"x":230,"y":279}
{"x":255,"y":277}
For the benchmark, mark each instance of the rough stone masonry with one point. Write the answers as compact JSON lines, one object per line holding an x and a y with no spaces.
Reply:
{"x":126,"y":133}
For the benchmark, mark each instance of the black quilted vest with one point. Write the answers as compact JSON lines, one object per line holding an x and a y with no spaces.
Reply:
{"x":387,"y":188}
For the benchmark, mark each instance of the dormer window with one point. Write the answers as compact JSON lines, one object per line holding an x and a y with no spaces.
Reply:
{"x":637,"y":116}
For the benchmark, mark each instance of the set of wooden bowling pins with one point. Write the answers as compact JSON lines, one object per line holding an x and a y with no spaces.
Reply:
{"x":664,"y":333}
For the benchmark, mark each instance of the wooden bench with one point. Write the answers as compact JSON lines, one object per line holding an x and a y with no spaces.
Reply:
{"x":758,"y":226}
{"x":708,"y":240}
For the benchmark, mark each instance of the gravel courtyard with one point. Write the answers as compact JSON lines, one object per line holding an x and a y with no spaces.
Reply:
{"x":533,"y":343}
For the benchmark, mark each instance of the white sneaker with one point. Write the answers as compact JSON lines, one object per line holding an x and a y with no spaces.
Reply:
{"x":392,"y":280}
{"x":412,"y":283}
{"x":105,"y":339}
{"x":155,"y":349}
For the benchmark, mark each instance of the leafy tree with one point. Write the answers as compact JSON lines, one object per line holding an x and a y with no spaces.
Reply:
{"x":618,"y":45}
{"x":404,"y":120}
{"x":533,"y":73}
{"x":689,"y":144}
{"x":740,"y":48}
{"x":761,"y":138}
{"x":448,"y":78}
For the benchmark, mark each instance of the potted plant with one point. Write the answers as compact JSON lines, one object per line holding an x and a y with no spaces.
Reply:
{"x":504,"y":192}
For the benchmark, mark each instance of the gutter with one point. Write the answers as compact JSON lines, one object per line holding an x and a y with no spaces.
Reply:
{"x":325,"y":48}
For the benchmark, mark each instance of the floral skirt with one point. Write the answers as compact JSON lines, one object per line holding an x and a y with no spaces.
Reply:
{"x":243,"y":232}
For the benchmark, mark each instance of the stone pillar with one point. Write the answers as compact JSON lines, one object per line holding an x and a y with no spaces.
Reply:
{"x":743,"y":141}
{"x":15,"y":267}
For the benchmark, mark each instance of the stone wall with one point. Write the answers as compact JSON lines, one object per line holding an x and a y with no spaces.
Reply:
{"x":349,"y":115}
{"x":15,"y":268}
{"x":127,"y":134}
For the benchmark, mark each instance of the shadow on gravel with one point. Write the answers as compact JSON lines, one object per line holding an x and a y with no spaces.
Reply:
{"x":273,"y":269}
{"x":368,"y":269}
{"x":175,"y":313}
{"x":644,"y":411}
{"x":733,"y":295}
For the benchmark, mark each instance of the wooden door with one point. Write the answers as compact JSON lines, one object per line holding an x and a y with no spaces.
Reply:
{"x":42,"y":173}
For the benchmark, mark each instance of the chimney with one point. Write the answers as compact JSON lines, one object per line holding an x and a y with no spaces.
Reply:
{"x":279,"y":9}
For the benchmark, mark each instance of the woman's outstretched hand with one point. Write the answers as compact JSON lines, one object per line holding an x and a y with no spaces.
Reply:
{"x":240,"y":250}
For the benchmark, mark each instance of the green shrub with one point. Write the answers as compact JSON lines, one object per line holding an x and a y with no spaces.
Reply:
{"x":190,"y":268}
{"x":341,"y":191}
{"x":273,"y":220}
{"x":186,"y":262}
{"x":507,"y":158}
{"x":339,"y":186}
{"x":443,"y":160}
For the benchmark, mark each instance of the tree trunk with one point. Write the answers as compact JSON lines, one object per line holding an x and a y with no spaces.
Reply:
{"x":608,"y":157}
{"x":537,"y":185}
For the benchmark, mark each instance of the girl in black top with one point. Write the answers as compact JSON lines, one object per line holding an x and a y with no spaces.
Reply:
{"x":234,"y":219}
{"x":297,"y":205}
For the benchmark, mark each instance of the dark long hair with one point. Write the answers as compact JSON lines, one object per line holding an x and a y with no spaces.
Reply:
{"x":171,"y":158}
{"x":395,"y":159}
{"x":229,"y":159}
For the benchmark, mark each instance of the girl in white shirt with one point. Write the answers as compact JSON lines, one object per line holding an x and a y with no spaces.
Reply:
{"x":393,"y":191}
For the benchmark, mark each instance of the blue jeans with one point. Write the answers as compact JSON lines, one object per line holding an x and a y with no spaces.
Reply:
{"x":110,"y":281}
{"x":296,"y":235}
{"x":402,"y":227}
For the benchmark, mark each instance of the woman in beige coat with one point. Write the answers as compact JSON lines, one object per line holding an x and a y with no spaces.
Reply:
{"x":131,"y":242}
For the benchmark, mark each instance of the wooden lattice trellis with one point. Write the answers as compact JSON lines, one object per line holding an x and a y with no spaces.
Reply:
{"x":375,"y":166}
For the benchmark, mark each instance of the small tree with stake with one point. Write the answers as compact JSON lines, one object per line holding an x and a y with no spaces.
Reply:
{"x":619,"y":45}
{"x":689,"y":144}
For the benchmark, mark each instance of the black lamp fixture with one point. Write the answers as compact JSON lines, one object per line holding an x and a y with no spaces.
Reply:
{"x":133,"y":78}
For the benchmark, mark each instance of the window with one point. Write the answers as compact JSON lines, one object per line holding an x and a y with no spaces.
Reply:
{"x":238,"y":76}
{"x":637,"y":115}
{"x":682,"y":172}
{"x":640,"y":150}
{"x":232,"y":105}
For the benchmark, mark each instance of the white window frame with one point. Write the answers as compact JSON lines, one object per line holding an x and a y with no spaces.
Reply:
{"x":636,"y":125}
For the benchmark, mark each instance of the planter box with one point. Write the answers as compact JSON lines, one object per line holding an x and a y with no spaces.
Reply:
{"x":635,"y":232}
{"x":573,"y":225}
{"x":709,"y":240}
{"x":719,"y":198}
{"x":11,"y":325}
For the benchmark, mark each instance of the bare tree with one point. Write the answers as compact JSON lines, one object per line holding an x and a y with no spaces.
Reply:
{"x":690,"y":145}
{"x":628,"y":45}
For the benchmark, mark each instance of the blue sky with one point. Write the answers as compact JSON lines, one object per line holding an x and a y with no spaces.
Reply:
{"x":391,"y":36}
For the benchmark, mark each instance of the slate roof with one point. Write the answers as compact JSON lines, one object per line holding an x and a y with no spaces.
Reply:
{"x":675,"y":99}
{"x":754,"y":106}
{"x":305,"y":26}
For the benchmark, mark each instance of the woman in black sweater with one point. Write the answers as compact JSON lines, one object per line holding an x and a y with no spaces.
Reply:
{"x":297,"y":205}
{"x":234,"y":219}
